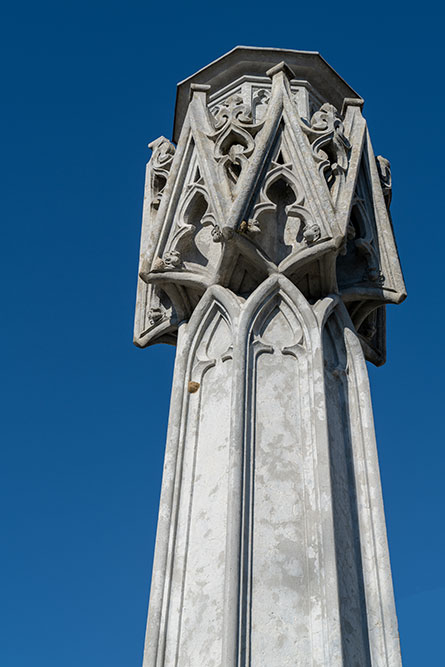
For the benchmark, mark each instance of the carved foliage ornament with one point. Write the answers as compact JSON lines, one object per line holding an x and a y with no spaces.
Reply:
{"x":330,"y":147}
{"x":233,"y":137}
{"x":160,"y":164}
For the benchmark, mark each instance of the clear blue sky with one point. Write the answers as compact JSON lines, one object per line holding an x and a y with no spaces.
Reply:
{"x":85,"y":86}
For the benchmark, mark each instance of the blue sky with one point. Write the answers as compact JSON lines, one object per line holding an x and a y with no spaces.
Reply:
{"x":86,"y":86}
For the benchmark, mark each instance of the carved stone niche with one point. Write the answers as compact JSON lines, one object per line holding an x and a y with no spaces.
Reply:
{"x":273,"y":172}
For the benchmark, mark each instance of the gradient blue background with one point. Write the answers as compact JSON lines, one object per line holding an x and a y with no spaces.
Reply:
{"x":85,"y":87}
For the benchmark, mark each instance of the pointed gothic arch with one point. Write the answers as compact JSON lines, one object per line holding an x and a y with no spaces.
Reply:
{"x":278,"y":284}
{"x":280,"y":354}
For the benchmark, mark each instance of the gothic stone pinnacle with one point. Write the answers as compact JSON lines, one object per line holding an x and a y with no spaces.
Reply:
{"x":268,"y":258}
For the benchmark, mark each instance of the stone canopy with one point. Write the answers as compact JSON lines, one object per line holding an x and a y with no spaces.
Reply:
{"x":252,"y":128}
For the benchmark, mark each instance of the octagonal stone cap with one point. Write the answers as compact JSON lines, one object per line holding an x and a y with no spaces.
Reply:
{"x":255,"y":61}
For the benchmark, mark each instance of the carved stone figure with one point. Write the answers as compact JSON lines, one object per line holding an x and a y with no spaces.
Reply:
{"x":268,"y":258}
{"x":385,"y":177}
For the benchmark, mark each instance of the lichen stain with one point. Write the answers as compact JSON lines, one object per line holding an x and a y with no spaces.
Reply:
{"x":193,"y":387}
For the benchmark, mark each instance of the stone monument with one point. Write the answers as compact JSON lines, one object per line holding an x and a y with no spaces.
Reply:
{"x":268,"y":258}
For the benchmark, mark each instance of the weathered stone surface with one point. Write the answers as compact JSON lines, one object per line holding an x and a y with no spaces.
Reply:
{"x":267,"y":256}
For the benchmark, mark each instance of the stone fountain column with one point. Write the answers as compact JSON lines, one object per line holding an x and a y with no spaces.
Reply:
{"x":267,"y":258}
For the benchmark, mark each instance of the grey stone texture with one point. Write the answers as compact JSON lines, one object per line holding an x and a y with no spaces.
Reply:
{"x":268,"y":258}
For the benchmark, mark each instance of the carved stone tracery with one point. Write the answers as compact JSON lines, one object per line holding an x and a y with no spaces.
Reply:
{"x":280,"y":200}
{"x":284,"y":223}
{"x":329,"y":145}
{"x":233,"y":137}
